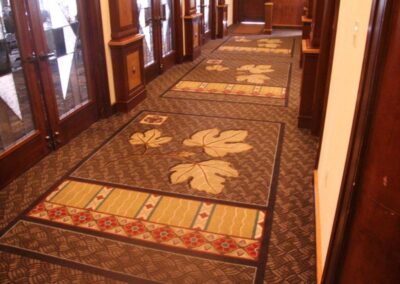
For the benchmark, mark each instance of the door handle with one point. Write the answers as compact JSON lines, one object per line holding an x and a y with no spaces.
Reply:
{"x":31,"y":58}
{"x":45,"y":56}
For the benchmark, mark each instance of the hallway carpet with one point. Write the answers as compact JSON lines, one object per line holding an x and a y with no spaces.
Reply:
{"x":184,"y":189}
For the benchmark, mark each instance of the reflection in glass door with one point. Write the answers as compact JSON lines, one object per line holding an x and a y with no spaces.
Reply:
{"x":65,"y":56}
{"x":156,"y":22}
{"x":145,"y":8}
{"x":204,"y":7}
{"x":16,"y":120}
{"x":46,"y":98}
{"x":167,"y":27}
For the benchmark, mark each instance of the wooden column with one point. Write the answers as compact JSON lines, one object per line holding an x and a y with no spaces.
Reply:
{"x":268,"y":8}
{"x":192,"y":30}
{"x":309,"y":60}
{"x":127,"y":54}
{"x":222,"y":19}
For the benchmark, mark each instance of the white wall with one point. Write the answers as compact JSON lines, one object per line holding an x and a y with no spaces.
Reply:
{"x":347,"y":65}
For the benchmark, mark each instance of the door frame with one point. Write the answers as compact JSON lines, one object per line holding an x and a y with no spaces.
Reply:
{"x":20,"y":157}
{"x":154,"y":70}
{"x":367,"y":95}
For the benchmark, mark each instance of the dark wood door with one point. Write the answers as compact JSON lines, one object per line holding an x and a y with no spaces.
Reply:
{"x":23,"y":127}
{"x":61,"y":36}
{"x":207,"y":9}
{"x":47,"y":79}
{"x":372,"y":253}
{"x":251,"y":10}
{"x":156,"y":22}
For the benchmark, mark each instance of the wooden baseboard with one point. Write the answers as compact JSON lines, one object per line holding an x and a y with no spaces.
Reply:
{"x":135,"y":99}
{"x":317,"y":229}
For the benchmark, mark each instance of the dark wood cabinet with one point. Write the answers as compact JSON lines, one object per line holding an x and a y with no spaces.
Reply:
{"x":193,"y":36}
{"x":193,"y":30}
{"x":124,"y":16}
{"x":127,"y":54}
{"x":222,"y":19}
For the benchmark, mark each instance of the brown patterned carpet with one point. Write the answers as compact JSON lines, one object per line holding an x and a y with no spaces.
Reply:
{"x":43,"y":252}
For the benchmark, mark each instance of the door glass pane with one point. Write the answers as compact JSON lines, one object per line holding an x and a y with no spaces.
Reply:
{"x":61,"y":27}
{"x":146,"y":27}
{"x":198,"y":6}
{"x":167,"y":27}
{"x":16,"y":120}
{"x":206,"y":16}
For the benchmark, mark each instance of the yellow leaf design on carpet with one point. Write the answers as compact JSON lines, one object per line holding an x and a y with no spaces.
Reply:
{"x":205,"y":176}
{"x":218,"y":144}
{"x":218,"y":68}
{"x":151,"y":139}
{"x":269,"y":43}
{"x":270,"y":40}
{"x":241,"y":39}
{"x":253,"y":78}
{"x":256,"y":69}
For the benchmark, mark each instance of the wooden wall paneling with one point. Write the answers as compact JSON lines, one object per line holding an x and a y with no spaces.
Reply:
{"x":96,"y":38}
{"x":124,"y":21}
{"x":268,"y":10}
{"x":179,"y":38}
{"x":317,"y":22}
{"x":236,"y":14}
{"x":309,"y":9}
{"x":310,"y":63}
{"x":251,"y":10}
{"x":324,"y":69}
{"x":127,"y":57}
{"x":213,"y":10}
{"x":222,"y":16}
{"x":192,"y":22}
{"x":127,"y":54}
{"x":287,"y":13}
{"x":365,"y":236}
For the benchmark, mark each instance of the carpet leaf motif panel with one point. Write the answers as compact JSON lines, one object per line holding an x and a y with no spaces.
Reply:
{"x":205,"y":227}
{"x":259,"y":45}
{"x":205,"y":157}
{"x":244,"y":80}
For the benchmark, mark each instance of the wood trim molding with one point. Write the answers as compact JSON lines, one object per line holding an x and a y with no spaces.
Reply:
{"x":318,"y":246}
{"x":97,"y":39}
{"x":269,"y":13}
{"x":324,"y":69}
{"x":307,"y":48}
{"x":127,"y":40}
{"x":372,"y":67}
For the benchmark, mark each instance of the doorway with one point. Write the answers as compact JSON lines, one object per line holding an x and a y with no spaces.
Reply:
{"x":157,"y":23}
{"x":47,"y":79}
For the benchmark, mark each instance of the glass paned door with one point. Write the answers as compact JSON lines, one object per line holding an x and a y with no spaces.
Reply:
{"x":47,"y":78}
{"x":16,"y":119}
{"x":61,"y":26}
{"x":145,"y":8}
{"x":22,"y":116}
{"x":62,"y":32}
{"x":206,"y":12}
{"x":167,"y":27}
{"x":156,"y":23}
